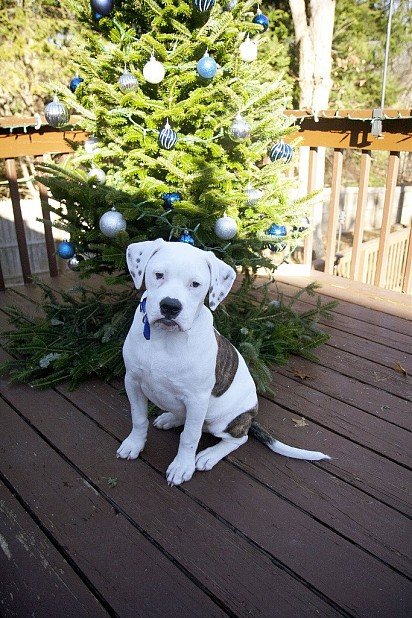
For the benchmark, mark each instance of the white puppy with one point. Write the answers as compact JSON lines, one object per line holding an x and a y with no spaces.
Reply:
{"x":175,"y":358}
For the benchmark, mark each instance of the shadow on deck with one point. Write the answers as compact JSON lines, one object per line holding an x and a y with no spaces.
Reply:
{"x":259,"y":535}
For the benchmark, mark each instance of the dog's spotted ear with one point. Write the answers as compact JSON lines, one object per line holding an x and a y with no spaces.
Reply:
{"x":222,"y":277}
{"x":137,"y":256}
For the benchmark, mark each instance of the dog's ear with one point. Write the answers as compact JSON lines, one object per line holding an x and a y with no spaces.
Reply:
{"x":137,"y":256}
{"x":222,"y":277}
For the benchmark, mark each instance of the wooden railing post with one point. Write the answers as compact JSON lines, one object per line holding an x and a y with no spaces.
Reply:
{"x":308,"y":246}
{"x":333,"y":211}
{"x":48,"y":234}
{"x":391,"y":179}
{"x":18,"y":219}
{"x":355,"y":265}
{"x":407,"y":280}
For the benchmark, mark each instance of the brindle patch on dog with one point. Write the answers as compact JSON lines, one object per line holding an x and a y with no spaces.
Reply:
{"x":240,"y":425}
{"x":227,"y":362}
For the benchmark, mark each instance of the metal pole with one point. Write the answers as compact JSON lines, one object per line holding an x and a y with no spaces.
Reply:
{"x":385,"y":65}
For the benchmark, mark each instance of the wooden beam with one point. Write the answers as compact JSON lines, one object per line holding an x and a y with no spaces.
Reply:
{"x":407,"y":280}
{"x":308,"y":245}
{"x":18,"y":219}
{"x":48,"y":233}
{"x":365,"y":167}
{"x":333,"y":211}
{"x":392,"y":176}
{"x":34,"y":143}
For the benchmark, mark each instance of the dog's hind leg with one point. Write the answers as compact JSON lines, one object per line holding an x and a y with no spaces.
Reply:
{"x":134,"y":443}
{"x":167,"y":420}
{"x":205,"y":460}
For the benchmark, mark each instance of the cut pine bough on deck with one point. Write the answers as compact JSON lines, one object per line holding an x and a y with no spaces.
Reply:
{"x":258,"y":535}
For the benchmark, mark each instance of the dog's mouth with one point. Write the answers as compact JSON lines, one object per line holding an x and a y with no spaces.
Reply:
{"x":168,"y":324}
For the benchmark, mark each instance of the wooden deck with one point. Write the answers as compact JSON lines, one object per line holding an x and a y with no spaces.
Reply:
{"x":260,"y":535}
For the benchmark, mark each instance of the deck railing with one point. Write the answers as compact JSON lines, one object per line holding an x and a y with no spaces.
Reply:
{"x":346,"y":130}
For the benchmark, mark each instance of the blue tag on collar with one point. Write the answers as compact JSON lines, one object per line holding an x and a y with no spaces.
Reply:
{"x":146,"y":325}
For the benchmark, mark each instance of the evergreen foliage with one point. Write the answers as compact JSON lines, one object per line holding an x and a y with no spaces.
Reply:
{"x":82,"y":334}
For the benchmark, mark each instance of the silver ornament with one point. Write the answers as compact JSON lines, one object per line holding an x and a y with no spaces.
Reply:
{"x":97,"y":175}
{"x":74,"y":262}
{"x":230,"y":5}
{"x":225,"y":228}
{"x":112,"y":222}
{"x":252,"y":195}
{"x":56,"y":113}
{"x":248,"y":50}
{"x":239,"y":130}
{"x":127,"y":82}
{"x":91,"y":145}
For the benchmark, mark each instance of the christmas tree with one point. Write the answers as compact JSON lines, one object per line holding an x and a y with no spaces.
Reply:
{"x":185,"y":113}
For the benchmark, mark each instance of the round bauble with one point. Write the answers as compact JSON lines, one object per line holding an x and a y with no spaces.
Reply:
{"x":281,"y":152}
{"x":225,"y":228}
{"x":261,"y":19}
{"x":75,"y":82}
{"x":170,"y":199}
{"x":204,"y":5}
{"x":279,"y":231}
{"x":127,"y":82}
{"x":248,"y":50}
{"x":239,"y":130}
{"x":66,"y":249}
{"x":91,"y":145}
{"x":102,"y":7}
{"x":187,"y":238}
{"x":167,"y":137}
{"x":206,"y":67}
{"x":252,"y":195}
{"x":112,"y":222}
{"x":153,"y":71}
{"x":56,"y":113}
{"x":97,"y":175}
{"x":74,"y":262}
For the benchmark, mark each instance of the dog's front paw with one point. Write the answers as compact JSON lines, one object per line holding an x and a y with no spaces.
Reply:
{"x":131,"y":447}
{"x":180,"y":470}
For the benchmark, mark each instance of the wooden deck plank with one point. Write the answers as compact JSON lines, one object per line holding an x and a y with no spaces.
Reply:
{"x":160,"y":450}
{"x":248,"y":581}
{"x":35,"y":578}
{"x":119,"y":561}
{"x":374,"y":305}
{"x":363,"y":396}
{"x":371,"y":431}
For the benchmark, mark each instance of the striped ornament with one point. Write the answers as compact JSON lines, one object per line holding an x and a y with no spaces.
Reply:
{"x":281,"y":151}
{"x":167,"y":137}
{"x":204,"y":5}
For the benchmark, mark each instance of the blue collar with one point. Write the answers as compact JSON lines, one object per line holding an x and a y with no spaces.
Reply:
{"x":146,"y":325}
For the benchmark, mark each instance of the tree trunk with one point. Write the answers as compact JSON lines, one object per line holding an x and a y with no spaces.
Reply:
{"x":313,"y":22}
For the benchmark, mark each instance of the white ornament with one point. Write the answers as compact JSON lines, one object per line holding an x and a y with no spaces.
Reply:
{"x":97,"y":175}
{"x":248,"y":50}
{"x":112,"y":222}
{"x":91,"y":145}
{"x":239,"y":130}
{"x":225,"y":228}
{"x":252,"y":195}
{"x":153,"y":71}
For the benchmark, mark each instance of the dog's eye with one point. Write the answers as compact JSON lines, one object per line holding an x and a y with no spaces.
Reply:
{"x":159,"y":275}
{"x":195,"y":284}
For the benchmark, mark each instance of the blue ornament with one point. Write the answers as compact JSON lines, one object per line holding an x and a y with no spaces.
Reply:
{"x":281,"y":151}
{"x":277,"y":230}
{"x":102,"y":7}
{"x":206,"y":67}
{"x":261,"y":19}
{"x":167,"y":137}
{"x":66,"y":249}
{"x":75,"y":82}
{"x":204,"y":5}
{"x":170,"y":198}
{"x":187,"y":238}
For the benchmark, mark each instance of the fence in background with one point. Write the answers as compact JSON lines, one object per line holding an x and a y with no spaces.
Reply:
{"x":350,"y":129}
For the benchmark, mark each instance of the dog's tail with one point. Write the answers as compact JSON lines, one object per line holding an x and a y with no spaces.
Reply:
{"x":283,"y":449}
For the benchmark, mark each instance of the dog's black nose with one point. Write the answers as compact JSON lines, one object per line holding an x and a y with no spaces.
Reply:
{"x":170,"y":307}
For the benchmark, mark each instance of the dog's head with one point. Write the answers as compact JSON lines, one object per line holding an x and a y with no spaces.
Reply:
{"x":178,"y":278}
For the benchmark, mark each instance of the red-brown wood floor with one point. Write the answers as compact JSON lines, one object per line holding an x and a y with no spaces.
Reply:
{"x":259,"y":535}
